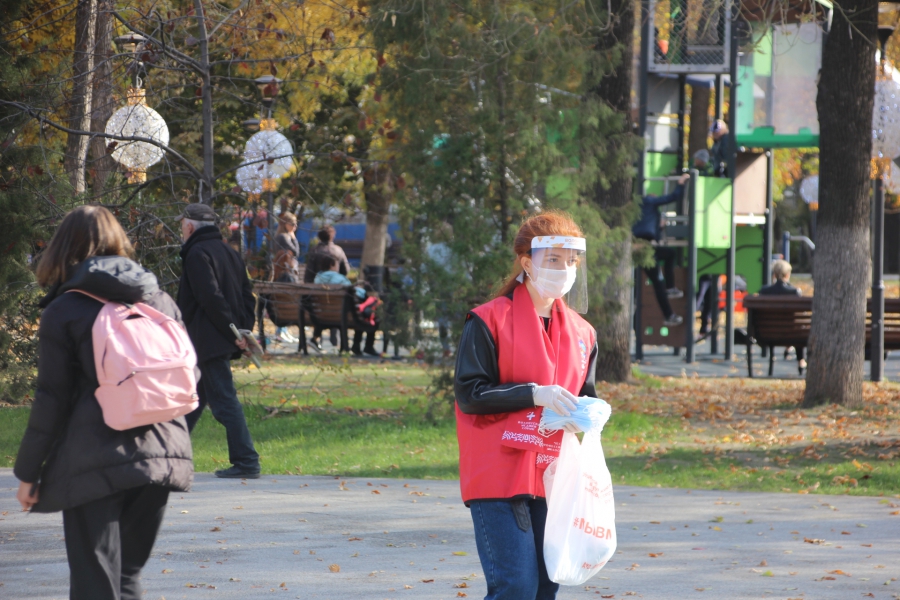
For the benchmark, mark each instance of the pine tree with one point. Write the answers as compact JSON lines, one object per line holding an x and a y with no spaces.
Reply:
{"x":23,"y":198}
{"x":497,"y":116}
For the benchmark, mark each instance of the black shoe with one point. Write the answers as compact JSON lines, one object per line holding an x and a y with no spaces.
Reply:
{"x":237,"y":473}
{"x":333,"y":338}
{"x":315,"y":345}
{"x":356,"y":351}
{"x":371,"y":352}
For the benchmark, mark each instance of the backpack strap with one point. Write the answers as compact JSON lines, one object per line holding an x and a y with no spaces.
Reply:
{"x":89,"y":295}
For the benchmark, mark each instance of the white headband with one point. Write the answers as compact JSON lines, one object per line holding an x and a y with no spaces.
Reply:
{"x":558,"y":241}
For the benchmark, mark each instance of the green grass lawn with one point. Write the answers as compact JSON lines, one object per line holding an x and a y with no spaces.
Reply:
{"x":358,"y":418}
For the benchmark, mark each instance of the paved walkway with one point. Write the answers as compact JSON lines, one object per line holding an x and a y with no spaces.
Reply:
{"x":660,"y":361}
{"x":287,"y":536}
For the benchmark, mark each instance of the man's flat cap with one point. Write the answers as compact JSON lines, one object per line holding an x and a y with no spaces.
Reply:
{"x":198,"y":212}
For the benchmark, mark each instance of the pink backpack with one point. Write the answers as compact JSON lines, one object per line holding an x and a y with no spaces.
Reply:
{"x":145,"y":365}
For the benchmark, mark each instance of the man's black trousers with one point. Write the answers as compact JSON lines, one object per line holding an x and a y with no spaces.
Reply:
{"x":109,"y":540}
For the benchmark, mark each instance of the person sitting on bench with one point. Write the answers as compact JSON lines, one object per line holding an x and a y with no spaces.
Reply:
{"x":781,"y":276}
{"x":327,"y":272}
{"x":648,"y":228}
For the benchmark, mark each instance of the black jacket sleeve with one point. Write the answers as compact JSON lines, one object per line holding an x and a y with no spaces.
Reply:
{"x":589,"y":388}
{"x":476,"y":383}
{"x":54,"y":395}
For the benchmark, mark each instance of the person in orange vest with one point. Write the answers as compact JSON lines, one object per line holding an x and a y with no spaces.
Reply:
{"x":525,"y":351}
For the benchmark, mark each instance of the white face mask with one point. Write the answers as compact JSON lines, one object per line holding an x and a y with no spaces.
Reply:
{"x":553,"y":283}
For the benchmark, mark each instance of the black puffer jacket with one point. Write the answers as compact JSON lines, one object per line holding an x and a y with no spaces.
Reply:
{"x":214,"y":292}
{"x":67,"y":446}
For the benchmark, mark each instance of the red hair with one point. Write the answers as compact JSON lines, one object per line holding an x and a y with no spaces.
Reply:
{"x":551,"y":222}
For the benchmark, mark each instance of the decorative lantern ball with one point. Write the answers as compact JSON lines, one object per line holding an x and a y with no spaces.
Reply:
{"x":136,"y":119}
{"x":272,"y":150}
{"x":809,"y":189}
{"x":886,"y":119}
{"x":250,"y":178}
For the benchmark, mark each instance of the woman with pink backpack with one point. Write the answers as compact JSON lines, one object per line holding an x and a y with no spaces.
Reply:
{"x":108,"y":467}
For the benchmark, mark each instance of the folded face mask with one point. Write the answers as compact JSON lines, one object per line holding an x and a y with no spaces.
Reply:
{"x":591,"y":414}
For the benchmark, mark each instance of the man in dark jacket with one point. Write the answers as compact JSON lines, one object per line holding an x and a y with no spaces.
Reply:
{"x":648,"y":228}
{"x":215,"y":293}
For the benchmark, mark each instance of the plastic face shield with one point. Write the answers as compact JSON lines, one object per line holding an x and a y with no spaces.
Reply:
{"x":559,"y":270}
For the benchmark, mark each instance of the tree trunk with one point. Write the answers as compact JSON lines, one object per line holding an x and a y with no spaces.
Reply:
{"x":699,"y":121}
{"x":206,"y":185}
{"x":614,"y":88}
{"x":844,"y":102}
{"x":378,"y":203}
{"x":102,"y":164}
{"x":82,"y":93}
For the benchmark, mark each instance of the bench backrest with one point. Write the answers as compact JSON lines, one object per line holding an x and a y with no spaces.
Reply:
{"x":779,"y":320}
{"x":326,"y":309}
{"x":323,"y":303}
{"x":785,"y":320}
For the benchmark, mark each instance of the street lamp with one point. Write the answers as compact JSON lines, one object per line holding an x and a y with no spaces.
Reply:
{"x":136,"y":119}
{"x":885,"y":147}
{"x":268,"y":156}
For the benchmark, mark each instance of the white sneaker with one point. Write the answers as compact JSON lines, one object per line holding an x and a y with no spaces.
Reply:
{"x":674,"y":293}
{"x":673,"y":321}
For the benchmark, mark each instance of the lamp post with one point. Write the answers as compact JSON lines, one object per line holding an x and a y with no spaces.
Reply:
{"x":136,"y":119}
{"x":268,"y":156}
{"x":885,"y":147}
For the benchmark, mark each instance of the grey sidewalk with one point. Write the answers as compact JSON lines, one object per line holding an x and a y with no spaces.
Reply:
{"x":659,"y":361}
{"x":232,"y":539}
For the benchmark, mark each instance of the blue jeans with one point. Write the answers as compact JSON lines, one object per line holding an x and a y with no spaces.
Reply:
{"x":216,"y":388}
{"x":509,"y":535}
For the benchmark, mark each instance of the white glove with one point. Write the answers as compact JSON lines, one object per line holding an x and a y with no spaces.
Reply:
{"x":556,"y":398}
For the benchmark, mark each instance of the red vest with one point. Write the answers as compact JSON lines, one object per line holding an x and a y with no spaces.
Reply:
{"x":497,"y":457}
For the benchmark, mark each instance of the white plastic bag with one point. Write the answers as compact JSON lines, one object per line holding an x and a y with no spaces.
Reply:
{"x":580,"y":534}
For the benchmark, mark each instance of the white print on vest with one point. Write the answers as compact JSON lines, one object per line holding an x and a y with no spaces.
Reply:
{"x":545,"y":459}
{"x":529,"y":425}
{"x":523,"y":437}
{"x":530,"y":415}
{"x":596,"y":530}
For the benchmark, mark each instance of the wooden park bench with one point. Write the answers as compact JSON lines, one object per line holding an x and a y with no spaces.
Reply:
{"x":782,"y":321}
{"x":320,"y":305}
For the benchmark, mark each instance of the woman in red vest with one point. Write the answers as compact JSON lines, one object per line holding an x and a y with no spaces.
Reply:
{"x":523,"y":352}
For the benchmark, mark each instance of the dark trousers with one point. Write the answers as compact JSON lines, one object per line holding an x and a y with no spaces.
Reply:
{"x":109,"y":540}
{"x":370,"y":340}
{"x":216,"y":389}
{"x":659,"y":289}
{"x":665,"y":258}
{"x":509,"y":536}
{"x":662,"y":277}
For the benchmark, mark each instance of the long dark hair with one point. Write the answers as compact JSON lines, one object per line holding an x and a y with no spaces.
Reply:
{"x":85,"y":232}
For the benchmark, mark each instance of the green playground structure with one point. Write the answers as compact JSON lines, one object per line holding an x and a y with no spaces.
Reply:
{"x":723,"y":227}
